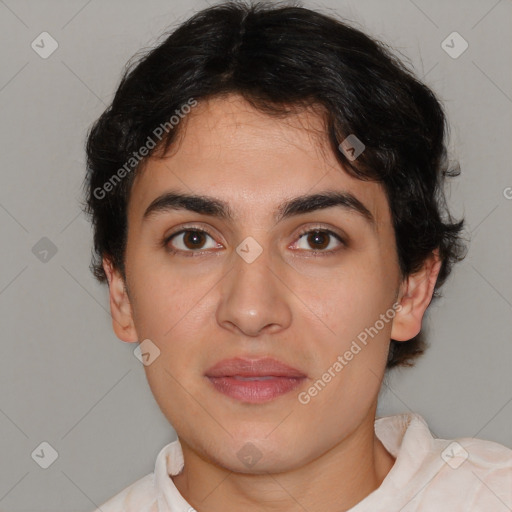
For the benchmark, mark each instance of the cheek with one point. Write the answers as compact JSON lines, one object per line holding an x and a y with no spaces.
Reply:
{"x":349,"y":299}
{"x":350,"y":305}
{"x":170,"y":309}
{"x":163,"y":298}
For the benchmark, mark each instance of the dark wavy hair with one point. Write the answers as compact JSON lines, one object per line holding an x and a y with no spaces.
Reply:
{"x":282,"y":57}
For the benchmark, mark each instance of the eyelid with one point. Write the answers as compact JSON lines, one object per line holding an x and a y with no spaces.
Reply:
{"x":323,"y":228}
{"x":191,"y":227}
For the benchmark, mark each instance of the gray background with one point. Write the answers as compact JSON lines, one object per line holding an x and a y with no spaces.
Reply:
{"x":65,"y":377}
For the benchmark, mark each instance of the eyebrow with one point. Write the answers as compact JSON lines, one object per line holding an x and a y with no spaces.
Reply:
{"x":214,"y":207}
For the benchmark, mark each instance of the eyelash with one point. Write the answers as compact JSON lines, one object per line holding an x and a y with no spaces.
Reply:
{"x":305,"y":231}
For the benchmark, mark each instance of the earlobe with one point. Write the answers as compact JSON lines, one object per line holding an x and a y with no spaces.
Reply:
{"x":415,"y":296}
{"x":120,"y":307}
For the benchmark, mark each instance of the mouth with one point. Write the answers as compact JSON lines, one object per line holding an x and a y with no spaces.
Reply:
{"x":255,"y":389}
{"x":254,"y":381}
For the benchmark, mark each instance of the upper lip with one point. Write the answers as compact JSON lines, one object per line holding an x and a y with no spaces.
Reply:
{"x":239,"y":366}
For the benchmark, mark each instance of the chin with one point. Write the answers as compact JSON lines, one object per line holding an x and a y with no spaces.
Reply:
{"x":258,"y":455}
{"x":272,"y":464}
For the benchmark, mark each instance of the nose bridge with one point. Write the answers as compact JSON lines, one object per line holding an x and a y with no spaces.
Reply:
{"x":252,"y":297}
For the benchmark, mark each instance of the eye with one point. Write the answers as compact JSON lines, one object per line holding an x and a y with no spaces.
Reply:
{"x":320,"y":240}
{"x":190,"y":240}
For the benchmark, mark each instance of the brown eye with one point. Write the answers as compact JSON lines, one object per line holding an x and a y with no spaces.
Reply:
{"x":190,"y":240}
{"x":193,"y":239}
{"x":318,"y":239}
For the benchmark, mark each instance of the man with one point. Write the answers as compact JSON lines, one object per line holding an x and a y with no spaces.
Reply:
{"x":265,"y":195}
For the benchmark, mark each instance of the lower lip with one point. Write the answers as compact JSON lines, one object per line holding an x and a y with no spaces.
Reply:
{"x":255,"y":391}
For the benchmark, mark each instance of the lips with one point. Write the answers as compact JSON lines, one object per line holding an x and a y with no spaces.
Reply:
{"x":254,"y":381}
{"x":241,"y":367}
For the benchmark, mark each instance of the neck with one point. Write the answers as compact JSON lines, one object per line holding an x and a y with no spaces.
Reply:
{"x":333,"y":482}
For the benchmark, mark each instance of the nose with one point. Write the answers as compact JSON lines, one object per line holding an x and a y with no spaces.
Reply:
{"x":254,"y":299}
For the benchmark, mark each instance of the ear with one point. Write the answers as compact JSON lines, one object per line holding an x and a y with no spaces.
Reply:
{"x":120,"y":307}
{"x":415,"y":295}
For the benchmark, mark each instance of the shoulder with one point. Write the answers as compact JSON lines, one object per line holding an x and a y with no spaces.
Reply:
{"x":444,"y":474}
{"x":486,"y":460}
{"x":137,"y":497}
{"x":475,"y":472}
{"x":476,"y":455}
{"x":470,"y":471}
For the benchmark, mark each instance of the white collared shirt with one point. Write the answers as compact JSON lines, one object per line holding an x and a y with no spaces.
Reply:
{"x":429,"y":475}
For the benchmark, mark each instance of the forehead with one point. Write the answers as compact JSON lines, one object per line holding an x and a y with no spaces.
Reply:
{"x":250,"y":160}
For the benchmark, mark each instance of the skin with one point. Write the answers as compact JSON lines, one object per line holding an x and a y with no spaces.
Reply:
{"x":287,"y":304}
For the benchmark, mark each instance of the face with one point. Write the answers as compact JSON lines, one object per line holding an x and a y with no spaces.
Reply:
{"x":298,"y":284}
